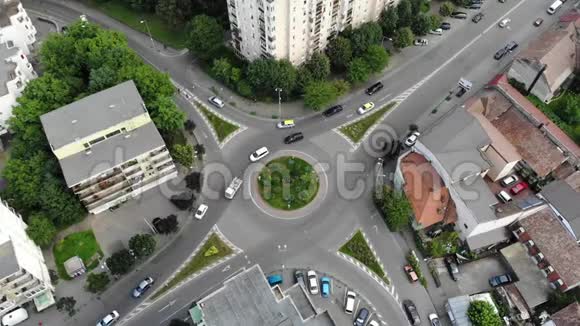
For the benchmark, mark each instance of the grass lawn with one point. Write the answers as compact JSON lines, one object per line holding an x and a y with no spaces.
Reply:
{"x":222,"y":128}
{"x":198,"y":262}
{"x":556,"y":111}
{"x":288,"y":183}
{"x":82,"y":244}
{"x":132,"y":18}
{"x":358,"y":248}
{"x":356,"y":130}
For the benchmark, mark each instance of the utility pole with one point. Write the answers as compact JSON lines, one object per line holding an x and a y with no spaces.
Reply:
{"x":149,"y":32}
{"x":279,"y":90}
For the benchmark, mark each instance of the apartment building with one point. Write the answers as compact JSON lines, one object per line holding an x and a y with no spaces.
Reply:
{"x":23,"y":273}
{"x":15,"y":26}
{"x":294,"y":29}
{"x":108,"y":147}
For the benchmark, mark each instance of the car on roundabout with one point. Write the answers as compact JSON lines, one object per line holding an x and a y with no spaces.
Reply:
{"x":259,"y":154}
{"x":365,"y":108}
{"x":292,"y":138}
{"x":286,"y":124}
{"x":109,"y":319}
{"x":142,"y":287}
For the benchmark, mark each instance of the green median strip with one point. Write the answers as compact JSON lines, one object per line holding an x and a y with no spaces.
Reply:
{"x":358,"y":248}
{"x":222,"y":128}
{"x":211,"y":251}
{"x":356,"y":130}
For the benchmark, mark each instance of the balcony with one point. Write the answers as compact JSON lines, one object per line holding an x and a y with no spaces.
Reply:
{"x":110,"y":198}
{"x":80,"y":187}
{"x":100,"y":186}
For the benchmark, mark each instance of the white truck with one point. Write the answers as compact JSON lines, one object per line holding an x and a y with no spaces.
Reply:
{"x":233,"y":188}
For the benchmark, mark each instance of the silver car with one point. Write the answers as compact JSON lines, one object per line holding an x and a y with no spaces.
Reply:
{"x":143,"y":286}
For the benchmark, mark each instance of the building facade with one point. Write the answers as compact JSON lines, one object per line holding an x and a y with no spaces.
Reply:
{"x":108,"y":147}
{"x":294,"y":29}
{"x":23,"y":273}
{"x":16,"y":29}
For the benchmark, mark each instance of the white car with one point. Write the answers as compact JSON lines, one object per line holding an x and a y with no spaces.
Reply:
{"x":312,"y":282}
{"x":412,"y":139}
{"x":285,"y":124}
{"x":421,"y":42}
{"x":504,"y":22}
{"x":366,"y":108}
{"x":373,"y":323}
{"x":509,"y":180}
{"x":434,"y":320}
{"x":216,"y":101}
{"x":437,"y":31}
{"x":201,"y":210}
{"x":259,"y":154}
{"x":109,"y":319}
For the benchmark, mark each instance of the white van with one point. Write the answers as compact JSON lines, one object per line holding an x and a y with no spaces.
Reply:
{"x":15,"y":317}
{"x":555,"y":6}
{"x":349,"y":302}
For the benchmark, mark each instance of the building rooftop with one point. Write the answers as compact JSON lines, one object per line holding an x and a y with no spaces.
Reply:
{"x":93,"y":113}
{"x":568,"y":316}
{"x":8,"y":8}
{"x":110,"y":153}
{"x":6,"y":67}
{"x":566,"y":201}
{"x":557,"y":245}
{"x":247,"y":299}
{"x":532,"y":284}
{"x":8,"y":261}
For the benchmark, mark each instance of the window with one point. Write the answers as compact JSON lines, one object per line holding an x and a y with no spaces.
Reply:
{"x":97,"y":140}
{"x":10,"y":44}
{"x":111,"y":134}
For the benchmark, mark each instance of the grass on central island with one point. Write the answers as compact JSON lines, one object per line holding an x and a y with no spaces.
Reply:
{"x":288,"y":183}
{"x":82,"y":244}
{"x":356,"y":130}
{"x":358,"y":248}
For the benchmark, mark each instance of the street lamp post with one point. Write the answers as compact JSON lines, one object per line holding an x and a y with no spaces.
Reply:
{"x":149,"y":32}
{"x":279,"y":90}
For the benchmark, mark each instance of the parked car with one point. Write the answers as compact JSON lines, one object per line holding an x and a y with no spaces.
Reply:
{"x":361,"y":317}
{"x":143,"y":286}
{"x":299,"y":277}
{"x":504,"y":22}
{"x":480,"y":2}
{"x":437,"y":31}
{"x":459,"y":15}
{"x":499,"y":54}
{"x":325,"y":286}
{"x":201,"y":210}
{"x":461,"y":92}
{"x":538,"y":22}
{"x":412,"y":313}
{"x":452,"y":268}
{"x":477,"y":17}
{"x":374,"y":88}
{"x":412,"y":138}
{"x":14,"y":317}
{"x":259,"y":154}
{"x":474,"y":6}
{"x":216,"y":101}
{"x":332,"y":111}
{"x":509,"y":180}
{"x":349,"y":302}
{"x":434,"y":319}
{"x":285,"y":124}
{"x":373,"y":323}
{"x":502,"y":1}
{"x":421,"y":42}
{"x":500,"y":280}
{"x":445,"y":26}
{"x":366,"y":108}
{"x":275,"y":279}
{"x":410,"y":273}
{"x":504,"y":196}
{"x":511,"y":46}
{"x":109,"y":319}
{"x":292,"y":138}
{"x":519,"y":187}
{"x":312,"y":282}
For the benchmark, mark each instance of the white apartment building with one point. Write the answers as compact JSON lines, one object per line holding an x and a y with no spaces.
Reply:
{"x":15,"y":26}
{"x":23,"y":273}
{"x":294,"y":29}
{"x":108,"y":147}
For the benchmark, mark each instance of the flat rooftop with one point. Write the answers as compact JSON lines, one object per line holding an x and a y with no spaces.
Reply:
{"x":8,"y":261}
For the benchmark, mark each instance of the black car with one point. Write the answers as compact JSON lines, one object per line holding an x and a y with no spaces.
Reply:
{"x":332,"y":111}
{"x":500,"y":280}
{"x":476,"y":2}
{"x":499,"y":54}
{"x":375,"y":88}
{"x":361,"y":318}
{"x":477,"y":18}
{"x":445,"y":26}
{"x":474,"y":6}
{"x":297,"y":136}
{"x":412,"y":313}
{"x":452,"y":268}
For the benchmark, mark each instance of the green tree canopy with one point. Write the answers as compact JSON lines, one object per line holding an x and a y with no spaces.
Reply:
{"x":389,"y":21}
{"x":166,"y":115}
{"x":41,"y":230}
{"x":175,"y":13}
{"x":481,"y":313}
{"x":339,"y":51}
{"x":97,"y":282}
{"x":376,"y":57}
{"x":265,"y":75}
{"x":358,"y":71}
{"x":421,"y":24}
{"x":446,"y":8}
{"x":405,"y":13}
{"x":120,"y":262}
{"x":205,"y":36}
{"x":395,"y":208}
{"x":319,"y":94}
{"x":183,"y":154}
{"x":366,"y":35}
{"x":319,"y":66}
{"x":142,"y":244}
{"x":435,"y":21}
{"x":404,"y":37}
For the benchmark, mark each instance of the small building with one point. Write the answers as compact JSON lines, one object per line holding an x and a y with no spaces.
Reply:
{"x":108,"y":147}
{"x":457,"y":307}
{"x":74,"y":267}
{"x":16,"y":29}
{"x":247,"y":299}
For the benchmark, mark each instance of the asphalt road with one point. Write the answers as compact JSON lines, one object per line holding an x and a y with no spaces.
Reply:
{"x":424,"y":78}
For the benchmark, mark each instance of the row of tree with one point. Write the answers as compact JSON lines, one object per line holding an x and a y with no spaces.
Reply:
{"x":85,"y":60}
{"x":403,"y":22}
{"x":394,"y":207}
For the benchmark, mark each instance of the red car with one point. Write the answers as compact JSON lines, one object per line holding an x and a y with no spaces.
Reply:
{"x":519,"y":188}
{"x":411,"y":273}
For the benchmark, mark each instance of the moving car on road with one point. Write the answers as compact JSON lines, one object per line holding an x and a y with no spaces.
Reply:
{"x":434,"y":319}
{"x":499,"y":54}
{"x":285,"y":124}
{"x":143,"y":286}
{"x":201,"y":210}
{"x":538,"y":22}
{"x":504,"y":22}
{"x":312,"y":282}
{"x":349,"y":302}
{"x":216,"y":101}
{"x":109,"y":319}
{"x":452,"y":268}
{"x":412,"y":313}
{"x":410,"y":273}
{"x":500,"y":280}
{"x":361,"y":318}
{"x":325,"y":286}
{"x":421,"y":42}
{"x":374,"y":88}
{"x":259,"y":154}
{"x":412,"y":138}
{"x":366,"y":108}
{"x":292,"y":138}
{"x":332,"y":111}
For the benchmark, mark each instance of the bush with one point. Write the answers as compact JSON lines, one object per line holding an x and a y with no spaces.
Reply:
{"x":211,"y":251}
{"x":121,"y":262}
{"x":394,"y":207}
{"x":319,"y":94}
{"x":142,"y":245}
{"x":166,"y":225}
{"x":66,"y":304}
{"x":358,"y":71}
{"x":183,"y":154}
{"x":97,"y":282}
{"x":404,"y":37}
{"x":481,"y":313}
{"x":193,"y":181}
{"x":41,"y":230}
{"x":446,"y":9}
{"x":244,"y":88}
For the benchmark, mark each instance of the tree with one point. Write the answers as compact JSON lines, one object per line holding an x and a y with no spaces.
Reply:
{"x":342,"y":86}
{"x":404,"y":37}
{"x":435,"y":21}
{"x":143,"y":245}
{"x":66,"y":304}
{"x":59,"y":203}
{"x":166,"y":115}
{"x":421,"y":24}
{"x":339,"y":51}
{"x":481,"y":313}
{"x":569,"y":109}
{"x":183,"y":154}
{"x":446,"y":8}
{"x":205,"y":35}
{"x":444,"y":244}
{"x":405,"y":13}
{"x":389,"y":21}
{"x":120,"y":262}
{"x":376,"y":58}
{"x":303,"y":79}
{"x":41,"y":230}
{"x":166,"y":225}
{"x":319,"y":66}
{"x":97,"y":282}
{"x":394,"y":207}
{"x":266,"y":75}
{"x":366,"y":35}
{"x":174,"y":12}
{"x":25,"y":178}
{"x":244,"y":88}
{"x":319,"y":94}
{"x":150,"y":83}
{"x":358,"y":71}
{"x":193,"y":181}
{"x":102,"y":78}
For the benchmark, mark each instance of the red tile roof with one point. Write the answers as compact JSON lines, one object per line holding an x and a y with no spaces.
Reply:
{"x":568,"y":316}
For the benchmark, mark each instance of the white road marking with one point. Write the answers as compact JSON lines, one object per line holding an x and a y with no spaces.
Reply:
{"x":178,"y":310}
{"x":384,"y":97}
{"x":171,"y":303}
{"x":503,"y":17}
{"x":227,"y":268}
{"x":204,"y":134}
